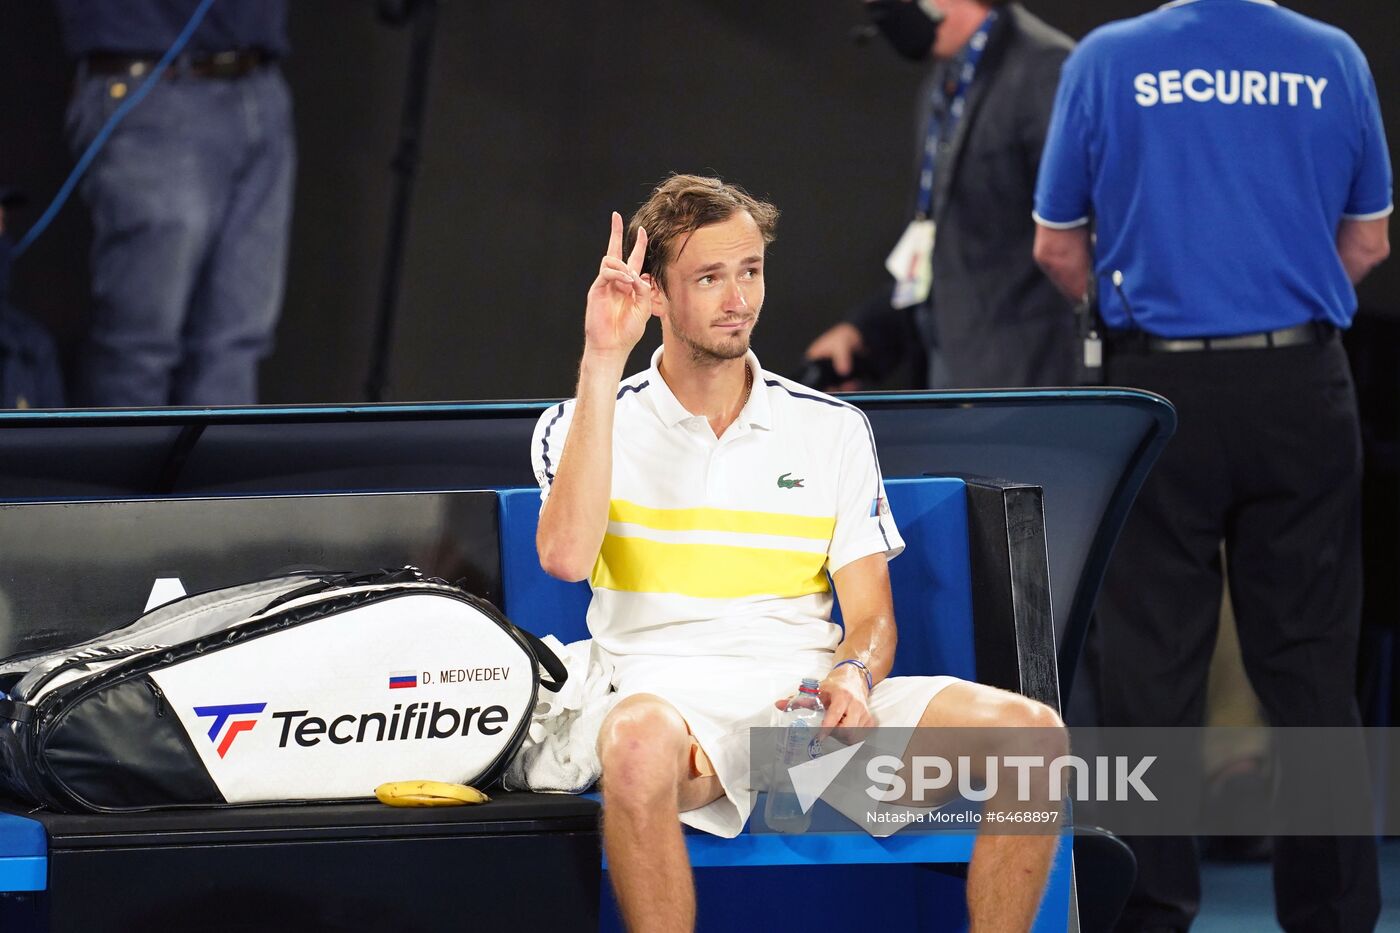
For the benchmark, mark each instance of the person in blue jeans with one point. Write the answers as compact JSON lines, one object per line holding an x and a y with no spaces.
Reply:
{"x":191,"y":198}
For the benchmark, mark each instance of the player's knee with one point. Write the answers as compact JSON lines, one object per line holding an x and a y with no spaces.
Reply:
{"x":640,"y":748}
{"x":1039,"y":731}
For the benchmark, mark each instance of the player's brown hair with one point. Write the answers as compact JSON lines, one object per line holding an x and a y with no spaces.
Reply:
{"x":682,"y":204}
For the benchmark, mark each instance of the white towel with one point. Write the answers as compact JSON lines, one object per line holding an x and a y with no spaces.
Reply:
{"x":559,"y":754}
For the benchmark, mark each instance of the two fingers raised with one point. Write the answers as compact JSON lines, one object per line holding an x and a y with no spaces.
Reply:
{"x":639,"y":249}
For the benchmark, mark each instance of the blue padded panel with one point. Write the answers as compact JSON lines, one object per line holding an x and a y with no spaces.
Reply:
{"x":24,"y":851}
{"x":1054,"y":903}
{"x":534,"y":600}
{"x":828,"y":898}
{"x":931,"y":579}
{"x":837,"y":894}
{"x":826,"y":849}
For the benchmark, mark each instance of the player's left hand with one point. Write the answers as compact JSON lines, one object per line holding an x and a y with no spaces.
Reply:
{"x":846,"y":699}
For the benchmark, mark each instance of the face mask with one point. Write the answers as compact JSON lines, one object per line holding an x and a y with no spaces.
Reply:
{"x":908,"y":26}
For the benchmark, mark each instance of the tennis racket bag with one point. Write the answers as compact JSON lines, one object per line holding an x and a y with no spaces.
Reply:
{"x":302,"y":687}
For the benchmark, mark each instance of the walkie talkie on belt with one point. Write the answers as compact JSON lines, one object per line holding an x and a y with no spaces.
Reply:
{"x":1089,"y":366}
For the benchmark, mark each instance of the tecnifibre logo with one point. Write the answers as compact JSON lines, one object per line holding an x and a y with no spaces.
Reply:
{"x":403,"y":723}
{"x":232,"y":716}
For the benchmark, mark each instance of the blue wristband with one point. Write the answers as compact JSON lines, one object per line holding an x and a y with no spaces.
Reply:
{"x":869,"y":681}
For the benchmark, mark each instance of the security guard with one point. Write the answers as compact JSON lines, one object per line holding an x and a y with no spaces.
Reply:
{"x":1231,"y":158}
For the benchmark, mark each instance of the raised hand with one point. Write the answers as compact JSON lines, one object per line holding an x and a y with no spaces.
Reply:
{"x":619,"y":300}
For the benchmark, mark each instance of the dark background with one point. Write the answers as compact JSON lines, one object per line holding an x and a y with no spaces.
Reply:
{"x":544,"y":116}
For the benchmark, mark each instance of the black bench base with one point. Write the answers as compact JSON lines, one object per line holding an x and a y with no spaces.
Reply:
{"x":523,"y":861}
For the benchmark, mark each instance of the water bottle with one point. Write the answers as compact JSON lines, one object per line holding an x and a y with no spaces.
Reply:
{"x":796,"y":744}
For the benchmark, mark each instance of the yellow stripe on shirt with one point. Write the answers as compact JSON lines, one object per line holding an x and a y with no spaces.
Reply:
{"x":817,"y":528}
{"x":706,"y":571}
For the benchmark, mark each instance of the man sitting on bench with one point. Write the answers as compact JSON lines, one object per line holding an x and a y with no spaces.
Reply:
{"x":707,"y":501}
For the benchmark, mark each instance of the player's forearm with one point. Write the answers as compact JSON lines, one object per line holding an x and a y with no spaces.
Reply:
{"x":575,"y":516}
{"x":870,"y":640}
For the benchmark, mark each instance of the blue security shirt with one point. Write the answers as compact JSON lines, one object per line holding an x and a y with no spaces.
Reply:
{"x":1216,"y":145}
{"x":149,"y":27}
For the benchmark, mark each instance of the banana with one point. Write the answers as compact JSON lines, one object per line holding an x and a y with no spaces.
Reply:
{"x":428,"y":794}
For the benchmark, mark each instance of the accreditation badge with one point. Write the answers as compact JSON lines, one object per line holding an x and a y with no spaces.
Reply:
{"x":911,"y":264}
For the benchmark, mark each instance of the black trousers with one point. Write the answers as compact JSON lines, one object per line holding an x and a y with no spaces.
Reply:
{"x":1267,"y":457}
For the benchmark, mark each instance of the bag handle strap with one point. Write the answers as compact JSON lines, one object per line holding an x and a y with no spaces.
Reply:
{"x":321,"y":584}
{"x":548,"y":660}
{"x":16,"y":711}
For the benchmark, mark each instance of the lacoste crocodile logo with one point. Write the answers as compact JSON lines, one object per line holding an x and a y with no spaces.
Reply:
{"x":785,"y":483}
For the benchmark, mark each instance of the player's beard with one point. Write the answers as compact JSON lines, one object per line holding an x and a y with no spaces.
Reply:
{"x":716,"y":351}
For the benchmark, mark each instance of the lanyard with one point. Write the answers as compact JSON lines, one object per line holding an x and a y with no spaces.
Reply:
{"x":941,"y":123}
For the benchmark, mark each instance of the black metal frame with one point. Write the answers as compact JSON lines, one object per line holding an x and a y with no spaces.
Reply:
{"x":1013,"y":628}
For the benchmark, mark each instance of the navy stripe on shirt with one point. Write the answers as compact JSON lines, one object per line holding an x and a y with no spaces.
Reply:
{"x":870,"y":432}
{"x":544,"y":440}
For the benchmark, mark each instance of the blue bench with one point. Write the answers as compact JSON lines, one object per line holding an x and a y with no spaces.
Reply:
{"x":933,"y":592}
{"x":24,"y":854}
{"x":1089,"y":450}
{"x":933,"y":585}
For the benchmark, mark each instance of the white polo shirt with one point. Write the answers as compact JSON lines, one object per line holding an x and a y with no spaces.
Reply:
{"x":722,"y":547}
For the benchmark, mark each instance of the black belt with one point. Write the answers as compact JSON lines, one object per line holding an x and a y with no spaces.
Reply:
{"x":1310,"y":333}
{"x":231,"y":64}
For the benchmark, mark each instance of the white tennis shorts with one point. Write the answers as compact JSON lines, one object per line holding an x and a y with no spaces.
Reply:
{"x":721,"y":699}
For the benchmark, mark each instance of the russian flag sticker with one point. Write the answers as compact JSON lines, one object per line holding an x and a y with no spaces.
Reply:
{"x":400,"y":679}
